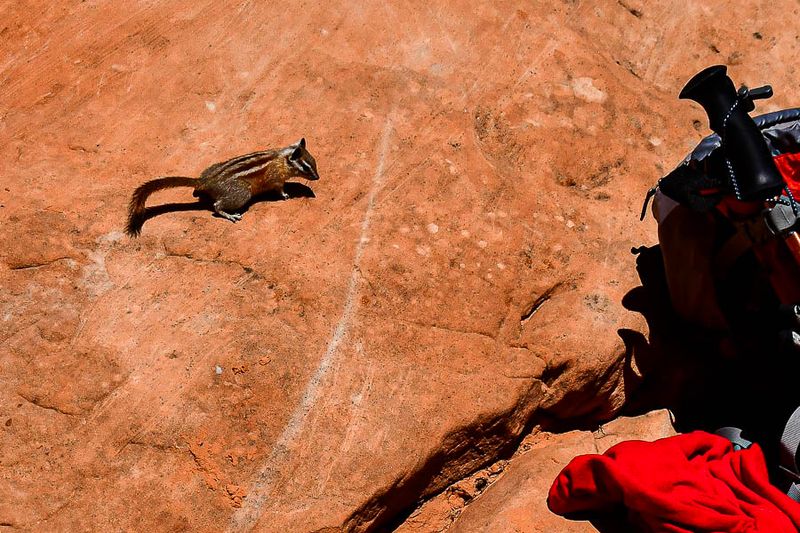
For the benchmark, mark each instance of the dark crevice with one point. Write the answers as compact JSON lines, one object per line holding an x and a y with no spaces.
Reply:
{"x":32,"y":266}
{"x":42,"y":405}
{"x":537,"y":304}
{"x":472,"y":448}
{"x":477,"y":447}
{"x":503,"y":454}
{"x":190,"y":257}
{"x":553,"y":372}
{"x":635,"y":12}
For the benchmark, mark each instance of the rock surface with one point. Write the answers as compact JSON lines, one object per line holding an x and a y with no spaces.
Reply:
{"x":455,"y":279}
{"x":517,"y":501}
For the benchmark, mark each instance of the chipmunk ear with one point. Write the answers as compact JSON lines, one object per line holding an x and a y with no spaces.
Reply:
{"x":301,"y":143}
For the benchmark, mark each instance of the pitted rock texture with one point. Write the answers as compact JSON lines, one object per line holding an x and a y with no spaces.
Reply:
{"x":329,"y":361}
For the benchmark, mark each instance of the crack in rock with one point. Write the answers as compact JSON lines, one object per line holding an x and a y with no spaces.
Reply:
{"x":42,"y":405}
{"x":537,"y":304}
{"x":33,"y":266}
{"x":449,"y":329}
{"x":459,"y":456}
{"x":203,"y":261}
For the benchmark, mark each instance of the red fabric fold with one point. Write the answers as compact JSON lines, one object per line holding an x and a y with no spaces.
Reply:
{"x":789,"y":167}
{"x":688,"y":483}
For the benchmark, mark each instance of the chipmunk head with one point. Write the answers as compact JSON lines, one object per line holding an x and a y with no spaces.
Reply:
{"x":302,"y":161}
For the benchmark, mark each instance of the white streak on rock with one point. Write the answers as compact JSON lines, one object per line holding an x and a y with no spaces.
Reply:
{"x":245,"y":517}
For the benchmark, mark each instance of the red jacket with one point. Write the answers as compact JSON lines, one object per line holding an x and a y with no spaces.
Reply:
{"x":688,"y":483}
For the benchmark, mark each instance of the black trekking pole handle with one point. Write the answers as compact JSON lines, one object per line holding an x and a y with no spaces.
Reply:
{"x":752,"y":172}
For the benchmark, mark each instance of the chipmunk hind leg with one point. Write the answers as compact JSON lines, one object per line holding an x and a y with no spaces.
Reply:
{"x":231,"y":200}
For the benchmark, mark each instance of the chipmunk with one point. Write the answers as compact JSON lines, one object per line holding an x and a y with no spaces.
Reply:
{"x":232,"y":183}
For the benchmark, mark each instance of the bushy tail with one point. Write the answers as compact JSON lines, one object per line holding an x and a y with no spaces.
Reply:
{"x":136,"y":209}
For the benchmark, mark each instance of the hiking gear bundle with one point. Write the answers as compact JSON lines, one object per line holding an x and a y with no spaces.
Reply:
{"x":728,"y":230}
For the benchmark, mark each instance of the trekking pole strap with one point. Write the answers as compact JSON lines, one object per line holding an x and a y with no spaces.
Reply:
{"x":790,"y":443}
{"x":735,"y":436}
{"x":794,"y":492}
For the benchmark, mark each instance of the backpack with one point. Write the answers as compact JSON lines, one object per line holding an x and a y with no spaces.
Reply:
{"x":726,"y":274}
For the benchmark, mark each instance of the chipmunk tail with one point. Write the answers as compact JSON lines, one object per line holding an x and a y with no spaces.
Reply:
{"x":137,"y":213}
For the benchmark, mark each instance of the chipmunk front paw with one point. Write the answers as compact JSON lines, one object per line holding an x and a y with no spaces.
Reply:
{"x":233,"y":217}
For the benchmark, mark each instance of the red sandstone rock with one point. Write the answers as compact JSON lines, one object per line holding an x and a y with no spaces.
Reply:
{"x":328,"y":361}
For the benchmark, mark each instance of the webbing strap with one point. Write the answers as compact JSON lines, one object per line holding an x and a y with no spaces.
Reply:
{"x":794,"y":492}
{"x":735,"y":436}
{"x":790,"y":443}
